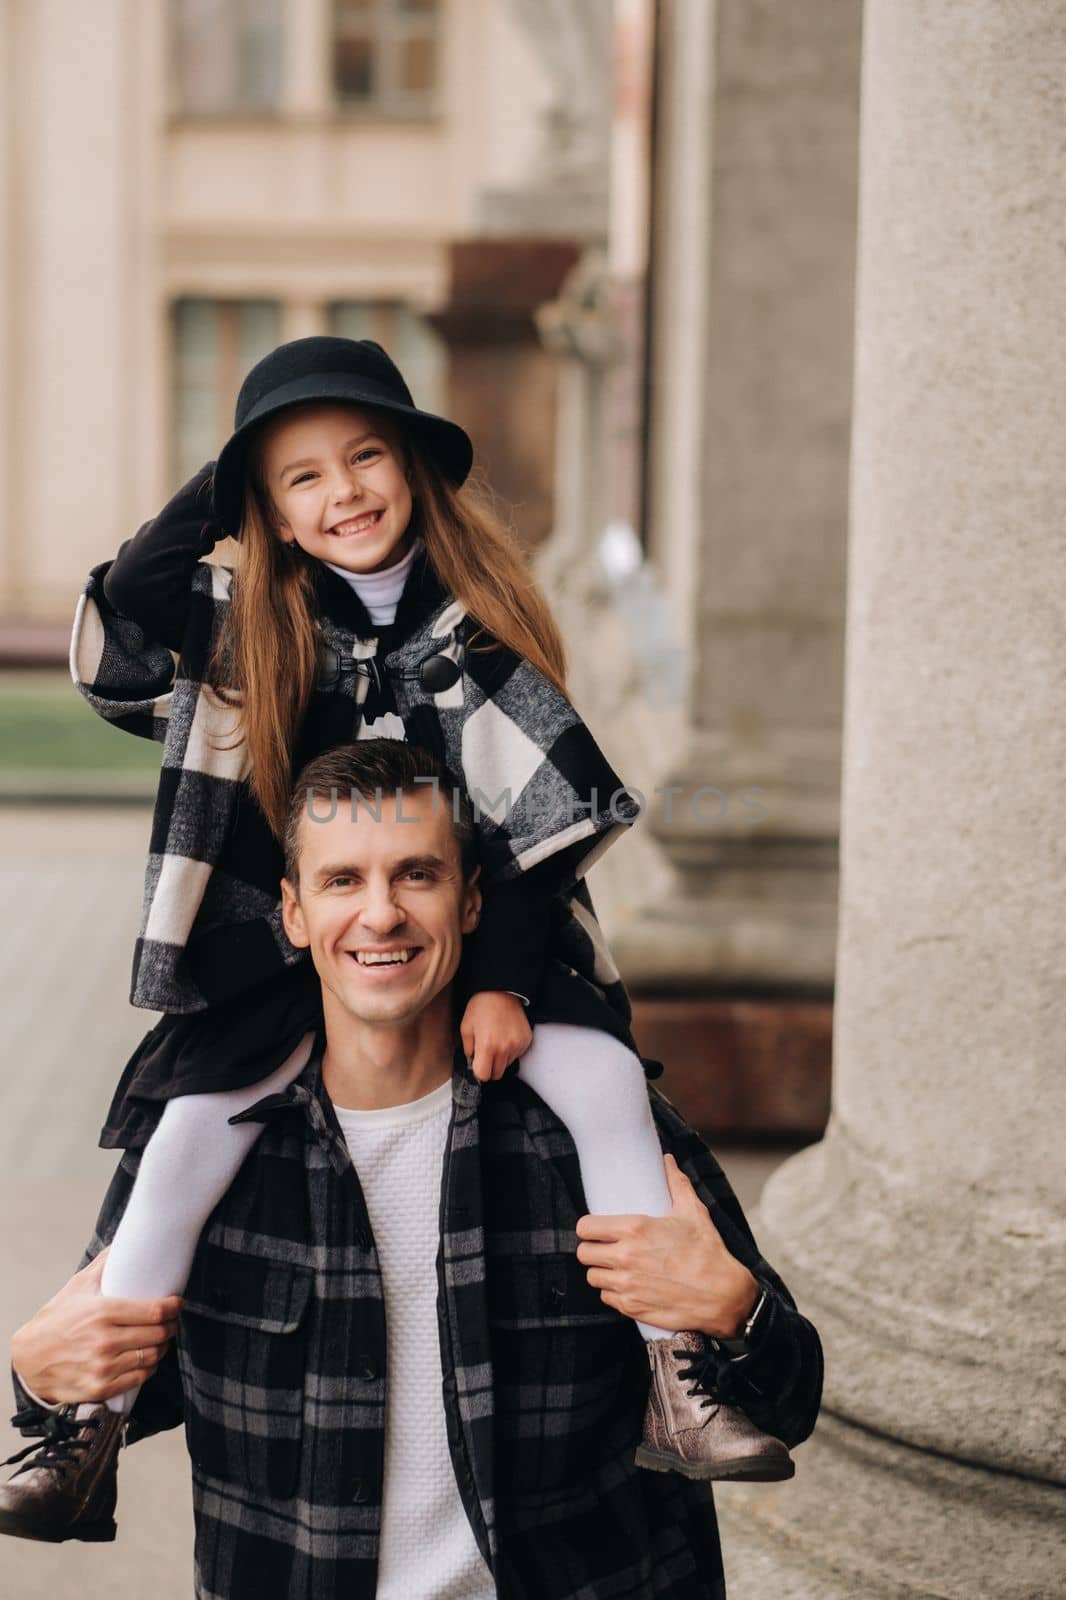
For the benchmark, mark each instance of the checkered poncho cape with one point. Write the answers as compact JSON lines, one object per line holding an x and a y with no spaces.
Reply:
{"x":211,"y":923}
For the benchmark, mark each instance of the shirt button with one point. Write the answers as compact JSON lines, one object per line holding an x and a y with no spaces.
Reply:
{"x":360,"y":1492}
{"x":556,"y":1296}
{"x":366,"y":1368}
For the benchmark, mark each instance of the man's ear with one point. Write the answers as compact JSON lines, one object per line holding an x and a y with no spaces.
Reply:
{"x":472,"y":901}
{"x":292,"y":916}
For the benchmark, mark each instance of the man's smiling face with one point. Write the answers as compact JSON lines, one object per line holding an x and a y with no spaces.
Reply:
{"x":381,"y":904}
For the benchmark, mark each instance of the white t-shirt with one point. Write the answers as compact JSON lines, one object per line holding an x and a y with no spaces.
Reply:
{"x":428,"y":1550}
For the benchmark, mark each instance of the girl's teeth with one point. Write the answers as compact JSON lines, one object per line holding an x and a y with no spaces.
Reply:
{"x":356,"y":527}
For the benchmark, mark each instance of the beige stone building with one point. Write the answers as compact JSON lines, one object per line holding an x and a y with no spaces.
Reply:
{"x":185,"y":183}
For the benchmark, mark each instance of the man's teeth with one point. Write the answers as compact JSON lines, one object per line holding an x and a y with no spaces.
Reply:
{"x":371,"y":958}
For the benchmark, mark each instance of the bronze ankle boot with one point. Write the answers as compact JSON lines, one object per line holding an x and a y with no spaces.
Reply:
{"x":69,"y":1491}
{"x":691,"y":1432}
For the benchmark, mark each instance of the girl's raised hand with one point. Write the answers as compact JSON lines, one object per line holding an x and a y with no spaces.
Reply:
{"x":494,"y":1032}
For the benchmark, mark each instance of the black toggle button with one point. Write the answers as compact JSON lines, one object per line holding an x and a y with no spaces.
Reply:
{"x":360,"y":1492}
{"x":556,"y":1295}
{"x":367,"y":1368}
{"x":438,"y":673}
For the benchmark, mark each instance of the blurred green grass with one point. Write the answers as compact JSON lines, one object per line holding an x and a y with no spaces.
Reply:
{"x":52,"y":742}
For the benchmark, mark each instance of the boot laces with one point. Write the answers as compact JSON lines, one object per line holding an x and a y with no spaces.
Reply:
{"x":696,"y":1372}
{"x":64,"y":1442}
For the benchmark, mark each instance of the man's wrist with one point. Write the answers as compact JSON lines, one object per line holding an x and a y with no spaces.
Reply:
{"x":21,"y":1358}
{"x":22,"y":1361}
{"x":730,"y":1322}
{"x":753,"y":1294}
{"x":36,"y":1399}
{"x":749,"y":1335}
{"x":19,"y":1363}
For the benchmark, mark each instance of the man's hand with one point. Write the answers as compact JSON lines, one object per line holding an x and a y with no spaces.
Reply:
{"x":83,"y":1347}
{"x":494,"y":1032}
{"x":674,"y":1271}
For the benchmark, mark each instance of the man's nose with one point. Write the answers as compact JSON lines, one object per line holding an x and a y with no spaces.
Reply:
{"x":379,"y":912}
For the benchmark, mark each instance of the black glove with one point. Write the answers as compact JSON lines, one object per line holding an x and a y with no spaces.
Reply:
{"x":148,"y":581}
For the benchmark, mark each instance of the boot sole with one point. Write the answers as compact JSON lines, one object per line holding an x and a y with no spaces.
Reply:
{"x":747,"y":1469}
{"x":89,"y":1533}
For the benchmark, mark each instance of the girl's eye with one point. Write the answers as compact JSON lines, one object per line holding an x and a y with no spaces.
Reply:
{"x":360,"y":456}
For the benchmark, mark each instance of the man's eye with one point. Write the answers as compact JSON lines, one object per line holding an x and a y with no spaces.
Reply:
{"x":420,"y":872}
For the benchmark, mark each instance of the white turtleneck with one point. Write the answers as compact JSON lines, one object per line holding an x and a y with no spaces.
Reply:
{"x":380,"y":591}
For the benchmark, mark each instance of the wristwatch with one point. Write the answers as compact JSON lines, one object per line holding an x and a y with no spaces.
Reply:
{"x":741,"y":1346}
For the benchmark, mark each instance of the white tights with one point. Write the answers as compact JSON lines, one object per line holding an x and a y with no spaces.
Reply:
{"x":592,"y":1082}
{"x":192,"y":1157}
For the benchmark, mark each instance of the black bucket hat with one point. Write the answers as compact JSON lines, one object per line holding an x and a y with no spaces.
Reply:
{"x":355,"y":371}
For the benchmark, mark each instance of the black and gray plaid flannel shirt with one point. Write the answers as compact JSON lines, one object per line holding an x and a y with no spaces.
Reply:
{"x":281,"y":1354}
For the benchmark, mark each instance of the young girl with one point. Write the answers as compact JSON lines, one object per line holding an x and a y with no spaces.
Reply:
{"x":373,"y":596}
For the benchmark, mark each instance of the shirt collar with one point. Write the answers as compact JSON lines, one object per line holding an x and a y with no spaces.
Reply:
{"x":308,"y":1092}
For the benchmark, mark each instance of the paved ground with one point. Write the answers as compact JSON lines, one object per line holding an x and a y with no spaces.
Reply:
{"x":70,"y":881}
{"x":70,"y":885}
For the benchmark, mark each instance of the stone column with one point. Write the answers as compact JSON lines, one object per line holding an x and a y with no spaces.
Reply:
{"x":11,"y":579}
{"x":564,"y":192}
{"x":751,"y":396}
{"x":709,"y":651}
{"x":502,"y":383}
{"x":302,"y":317}
{"x":924,"y":1235}
{"x":80,"y":97}
{"x":306,"y":76}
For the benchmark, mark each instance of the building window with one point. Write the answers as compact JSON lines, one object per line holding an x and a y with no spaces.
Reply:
{"x":412,"y":343}
{"x":386,"y":54}
{"x":227,"y":55}
{"x":216,"y":342}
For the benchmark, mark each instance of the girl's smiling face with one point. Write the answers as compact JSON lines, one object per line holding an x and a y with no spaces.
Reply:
{"x":337,"y":477}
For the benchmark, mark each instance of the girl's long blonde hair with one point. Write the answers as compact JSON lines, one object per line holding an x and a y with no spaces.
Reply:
{"x":267,"y":650}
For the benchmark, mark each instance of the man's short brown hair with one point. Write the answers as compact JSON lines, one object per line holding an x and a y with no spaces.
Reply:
{"x":375,"y":770}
